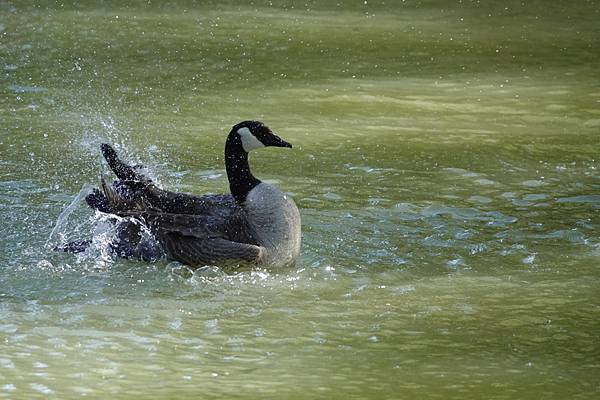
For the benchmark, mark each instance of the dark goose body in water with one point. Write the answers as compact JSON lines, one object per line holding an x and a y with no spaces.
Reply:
{"x":255,"y":223}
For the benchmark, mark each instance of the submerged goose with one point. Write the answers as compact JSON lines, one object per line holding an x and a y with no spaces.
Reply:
{"x":255,"y":223}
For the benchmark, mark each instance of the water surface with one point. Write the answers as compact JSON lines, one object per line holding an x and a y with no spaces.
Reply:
{"x":445,"y":163}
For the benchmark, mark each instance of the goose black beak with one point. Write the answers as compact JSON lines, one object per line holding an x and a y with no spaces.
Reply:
{"x":276,"y":141}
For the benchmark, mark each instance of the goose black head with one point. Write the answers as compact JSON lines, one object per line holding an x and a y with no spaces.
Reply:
{"x":256,"y":135}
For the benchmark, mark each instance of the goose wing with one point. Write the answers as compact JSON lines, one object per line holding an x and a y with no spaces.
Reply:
{"x":202,"y":239}
{"x":194,"y":251}
{"x":183,"y":203}
{"x":134,"y":192}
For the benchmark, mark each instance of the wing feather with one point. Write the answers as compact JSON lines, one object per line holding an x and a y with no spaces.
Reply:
{"x":194,"y":251}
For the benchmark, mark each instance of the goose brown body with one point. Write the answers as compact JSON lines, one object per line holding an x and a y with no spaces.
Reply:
{"x":255,"y":223}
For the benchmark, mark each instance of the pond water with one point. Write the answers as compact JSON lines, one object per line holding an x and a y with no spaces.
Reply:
{"x":445,"y":163}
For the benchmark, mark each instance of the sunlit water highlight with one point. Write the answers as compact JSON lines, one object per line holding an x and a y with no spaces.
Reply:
{"x":445,"y":163}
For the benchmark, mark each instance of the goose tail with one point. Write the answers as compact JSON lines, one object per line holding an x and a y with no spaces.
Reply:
{"x":124,"y":194}
{"x":123,"y":171}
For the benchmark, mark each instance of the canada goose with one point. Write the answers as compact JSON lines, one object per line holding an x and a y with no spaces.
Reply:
{"x":255,"y":223}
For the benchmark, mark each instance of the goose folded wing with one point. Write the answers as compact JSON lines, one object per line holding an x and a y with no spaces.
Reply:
{"x":199,"y":226}
{"x":183,"y":203}
{"x":195,"y":252}
{"x":200,"y":239}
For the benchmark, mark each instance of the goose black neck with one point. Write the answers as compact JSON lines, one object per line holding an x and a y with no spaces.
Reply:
{"x":241,"y":180}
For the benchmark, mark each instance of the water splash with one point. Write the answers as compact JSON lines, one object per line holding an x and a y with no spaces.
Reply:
{"x":58,"y":234}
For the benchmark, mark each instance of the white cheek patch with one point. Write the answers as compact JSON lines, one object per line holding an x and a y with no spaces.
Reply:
{"x":249,"y":141}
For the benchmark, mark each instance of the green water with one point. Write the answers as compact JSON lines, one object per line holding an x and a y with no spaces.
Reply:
{"x":445,"y":163}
